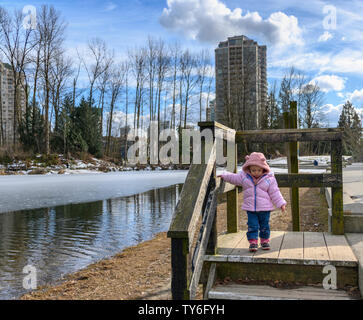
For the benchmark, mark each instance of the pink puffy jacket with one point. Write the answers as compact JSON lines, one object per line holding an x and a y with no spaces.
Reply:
{"x":260,"y":197}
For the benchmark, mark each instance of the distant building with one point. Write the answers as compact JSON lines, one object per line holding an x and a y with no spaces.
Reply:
{"x":241,"y":83}
{"x":210,"y":112}
{"x":7,"y":88}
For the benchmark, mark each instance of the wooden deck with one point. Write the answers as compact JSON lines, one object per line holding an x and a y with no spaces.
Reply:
{"x":295,"y":257}
{"x":302,"y":248}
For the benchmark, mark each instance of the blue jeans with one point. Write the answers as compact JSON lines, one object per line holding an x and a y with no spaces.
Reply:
{"x":258,"y":224}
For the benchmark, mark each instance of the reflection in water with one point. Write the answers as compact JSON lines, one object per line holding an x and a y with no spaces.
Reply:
{"x":64,"y":239}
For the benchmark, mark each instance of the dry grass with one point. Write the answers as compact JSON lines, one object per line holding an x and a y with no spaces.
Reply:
{"x":143,"y":271}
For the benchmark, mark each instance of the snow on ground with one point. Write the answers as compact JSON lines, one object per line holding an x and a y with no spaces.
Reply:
{"x":305,"y":159}
{"x":73,"y":167}
{"x":19,"y":192}
{"x":279,"y":170}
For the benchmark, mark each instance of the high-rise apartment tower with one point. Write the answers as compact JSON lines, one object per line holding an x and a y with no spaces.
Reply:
{"x":7,"y":88}
{"x":241,"y":83}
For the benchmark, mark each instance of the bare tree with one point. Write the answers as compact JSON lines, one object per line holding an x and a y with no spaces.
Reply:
{"x":16,"y":44}
{"x":188,"y":64}
{"x":35,"y":60}
{"x":150,"y":64}
{"x":310,"y":104}
{"x":291,"y":88}
{"x":51,"y":28}
{"x":116,"y":83}
{"x":60,"y":72}
{"x":101,"y":61}
{"x":103,"y":82}
{"x":162,"y":66}
{"x":127,"y":75}
{"x":137,"y":65}
{"x":174,"y":61}
{"x":74,"y":82}
{"x":203,"y":62}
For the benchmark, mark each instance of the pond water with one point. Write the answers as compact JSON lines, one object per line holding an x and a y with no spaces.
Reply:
{"x":59,"y":240}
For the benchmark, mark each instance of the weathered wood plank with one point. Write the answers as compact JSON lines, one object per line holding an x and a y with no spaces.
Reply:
{"x":192,"y":197}
{"x":339,"y":250}
{"x":232,"y":198}
{"x":315,"y":250}
{"x":308,"y":180}
{"x":293,"y":273}
{"x":211,"y":279}
{"x":232,"y":211}
{"x":292,"y":249}
{"x":337,"y":221}
{"x":206,"y":231}
{"x":179,"y":266}
{"x":216,"y":124}
{"x":264,"y":292}
{"x":293,"y":165}
{"x":241,"y":252}
{"x":227,"y":242}
{"x":225,"y":186}
{"x":289,"y":135}
{"x":276,"y":238}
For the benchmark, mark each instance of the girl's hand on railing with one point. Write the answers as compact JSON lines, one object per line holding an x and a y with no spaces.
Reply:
{"x":283,"y":208}
{"x":219,"y":176}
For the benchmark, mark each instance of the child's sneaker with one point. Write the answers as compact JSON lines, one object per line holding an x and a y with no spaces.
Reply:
{"x":253,"y":247}
{"x":265,"y":246}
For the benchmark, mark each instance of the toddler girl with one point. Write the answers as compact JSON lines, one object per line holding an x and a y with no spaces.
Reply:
{"x":261,"y":193}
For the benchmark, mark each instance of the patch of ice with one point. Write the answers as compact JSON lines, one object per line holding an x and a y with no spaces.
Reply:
{"x":39,"y":191}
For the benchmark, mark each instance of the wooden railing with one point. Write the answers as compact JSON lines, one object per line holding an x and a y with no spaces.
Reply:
{"x":197,"y":203}
{"x":334,"y":180}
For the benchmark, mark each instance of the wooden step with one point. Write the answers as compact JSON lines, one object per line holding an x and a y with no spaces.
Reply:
{"x":264,"y":292}
{"x":295,"y":257}
{"x":302,"y":248}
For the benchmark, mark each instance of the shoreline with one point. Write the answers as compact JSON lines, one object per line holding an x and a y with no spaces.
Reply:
{"x":58,"y":164}
{"x":120,"y":276}
{"x":143,"y":271}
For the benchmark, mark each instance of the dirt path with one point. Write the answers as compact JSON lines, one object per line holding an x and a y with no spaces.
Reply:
{"x":143,"y":271}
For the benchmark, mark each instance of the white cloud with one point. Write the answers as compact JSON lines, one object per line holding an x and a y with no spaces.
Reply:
{"x":329,"y":83}
{"x":345,"y":61}
{"x":211,"y":21}
{"x":110,"y":6}
{"x":340,"y":95}
{"x":325,"y":36}
{"x":356,"y":95}
{"x":331,"y":114}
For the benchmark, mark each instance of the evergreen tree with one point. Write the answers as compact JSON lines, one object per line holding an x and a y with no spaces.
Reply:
{"x":350,"y":121}
{"x":78,"y":128}
{"x":272,"y":116}
{"x":87,"y":125}
{"x":31,"y":129}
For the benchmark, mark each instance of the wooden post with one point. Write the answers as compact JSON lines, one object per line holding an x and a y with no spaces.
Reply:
{"x":232,"y":202}
{"x":290,"y":120}
{"x":212,"y":243}
{"x":337,"y":222}
{"x":179,"y":266}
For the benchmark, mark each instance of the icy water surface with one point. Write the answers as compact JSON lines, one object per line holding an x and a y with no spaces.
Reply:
{"x":63,"y":239}
{"x":41,"y":191}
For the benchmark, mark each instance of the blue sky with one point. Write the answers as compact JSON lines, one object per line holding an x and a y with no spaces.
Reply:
{"x":322,"y":39}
